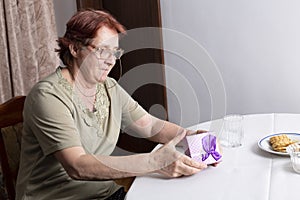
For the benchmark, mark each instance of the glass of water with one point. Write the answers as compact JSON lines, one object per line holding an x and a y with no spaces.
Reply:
{"x":232,"y":132}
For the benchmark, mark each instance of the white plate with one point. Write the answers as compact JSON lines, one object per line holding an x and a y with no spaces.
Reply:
{"x":265,"y":145}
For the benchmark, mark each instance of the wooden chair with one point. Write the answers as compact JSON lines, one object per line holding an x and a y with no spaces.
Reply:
{"x":10,"y":141}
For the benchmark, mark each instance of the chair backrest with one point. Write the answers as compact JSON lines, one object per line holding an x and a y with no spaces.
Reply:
{"x":11,"y":119}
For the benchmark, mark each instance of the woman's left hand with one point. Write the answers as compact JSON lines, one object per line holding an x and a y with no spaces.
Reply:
{"x":192,"y":132}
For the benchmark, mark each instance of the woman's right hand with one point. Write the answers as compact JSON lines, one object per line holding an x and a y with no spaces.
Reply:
{"x":171,"y":163}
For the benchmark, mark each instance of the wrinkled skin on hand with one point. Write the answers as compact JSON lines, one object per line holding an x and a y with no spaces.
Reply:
{"x":166,"y":161}
{"x":172,"y":163}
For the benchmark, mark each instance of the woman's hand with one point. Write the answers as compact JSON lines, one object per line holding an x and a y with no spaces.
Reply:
{"x":172,"y":163}
{"x":191,"y":132}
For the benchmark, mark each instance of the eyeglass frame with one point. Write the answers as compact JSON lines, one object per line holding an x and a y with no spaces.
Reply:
{"x":111,"y":54}
{"x":116,"y":53}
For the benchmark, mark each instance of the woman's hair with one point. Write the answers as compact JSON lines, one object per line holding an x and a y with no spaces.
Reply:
{"x":82,"y":28}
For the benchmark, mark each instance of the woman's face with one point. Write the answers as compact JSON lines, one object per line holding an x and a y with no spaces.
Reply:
{"x":95,"y":61}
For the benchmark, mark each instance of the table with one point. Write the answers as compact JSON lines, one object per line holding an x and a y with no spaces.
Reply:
{"x":246,"y":172}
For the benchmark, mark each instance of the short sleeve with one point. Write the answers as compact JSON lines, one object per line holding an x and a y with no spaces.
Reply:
{"x":50,"y":119}
{"x":131,"y":110}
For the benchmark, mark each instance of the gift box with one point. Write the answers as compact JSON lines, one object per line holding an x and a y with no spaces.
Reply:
{"x":202,"y":148}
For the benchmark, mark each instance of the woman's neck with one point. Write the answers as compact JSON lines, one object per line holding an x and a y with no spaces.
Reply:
{"x":87,"y":94}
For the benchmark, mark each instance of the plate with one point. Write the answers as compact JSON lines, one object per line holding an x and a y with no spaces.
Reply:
{"x":264,"y":142}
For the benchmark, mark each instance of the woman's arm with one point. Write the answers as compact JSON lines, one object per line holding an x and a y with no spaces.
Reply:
{"x":165,"y":160}
{"x":156,"y":130}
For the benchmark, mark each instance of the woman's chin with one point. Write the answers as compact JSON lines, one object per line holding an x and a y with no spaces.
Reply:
{"x":102,"y":79}
{"x":103,"y":76}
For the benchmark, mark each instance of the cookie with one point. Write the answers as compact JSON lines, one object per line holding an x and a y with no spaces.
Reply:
{"x":280,"y":142}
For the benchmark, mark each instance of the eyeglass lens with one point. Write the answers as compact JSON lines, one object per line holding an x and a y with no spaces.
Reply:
{"x":105,"y":53}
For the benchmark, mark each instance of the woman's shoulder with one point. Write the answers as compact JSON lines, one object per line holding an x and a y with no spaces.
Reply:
{"x":111,"y":84}
{"x":110,"y":81}
{"x":50,"y":84}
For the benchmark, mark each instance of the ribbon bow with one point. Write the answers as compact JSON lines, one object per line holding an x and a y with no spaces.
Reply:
{"x":209,"y":146}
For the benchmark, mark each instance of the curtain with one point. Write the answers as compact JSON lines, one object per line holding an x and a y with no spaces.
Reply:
{"x":27,"y":41}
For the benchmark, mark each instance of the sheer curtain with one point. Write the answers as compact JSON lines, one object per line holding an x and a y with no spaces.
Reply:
{"x":27,"y":42}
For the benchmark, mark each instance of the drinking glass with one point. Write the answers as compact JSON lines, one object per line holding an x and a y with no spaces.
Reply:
{"x":294,"y":152}
{"x":232,"y":132}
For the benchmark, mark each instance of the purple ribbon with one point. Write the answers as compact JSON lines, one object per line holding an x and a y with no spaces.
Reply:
{"x":209,"y":146}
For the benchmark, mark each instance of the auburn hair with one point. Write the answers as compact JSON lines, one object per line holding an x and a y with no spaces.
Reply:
{"x":82,"y":28}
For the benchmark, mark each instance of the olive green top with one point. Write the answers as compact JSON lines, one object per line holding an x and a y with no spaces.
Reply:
{"x":55,"y":119}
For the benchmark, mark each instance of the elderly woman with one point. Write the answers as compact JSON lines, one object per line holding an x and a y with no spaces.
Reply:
{"x":73,"y":117}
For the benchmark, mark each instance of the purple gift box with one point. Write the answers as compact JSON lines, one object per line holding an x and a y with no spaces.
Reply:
{"x":202,"y":148}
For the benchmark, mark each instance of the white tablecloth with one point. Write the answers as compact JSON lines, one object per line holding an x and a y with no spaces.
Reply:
{"x":246,"y":172}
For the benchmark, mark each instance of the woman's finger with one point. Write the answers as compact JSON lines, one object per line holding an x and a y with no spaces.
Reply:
{"x":192,"y":163}
{"x":183,"y":166}
{"x":201,"y":131}
{"x":169,"y":173}
{"x":191,"y":132}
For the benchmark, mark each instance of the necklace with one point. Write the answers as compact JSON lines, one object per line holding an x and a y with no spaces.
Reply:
{"x":90,"y":103}
{"x":89,"y":100}
{"x":101,"y":101}
{"x":78,"y":86}
{"x":84,"y":94}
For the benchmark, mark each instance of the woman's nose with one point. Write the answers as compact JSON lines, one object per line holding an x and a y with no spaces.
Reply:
{"x":110,"y":61}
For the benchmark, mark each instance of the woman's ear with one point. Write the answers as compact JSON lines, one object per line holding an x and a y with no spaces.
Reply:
{"x":73,"y":50}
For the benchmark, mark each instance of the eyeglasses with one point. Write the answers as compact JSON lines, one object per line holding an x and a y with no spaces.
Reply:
{"x":105,"y":53}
